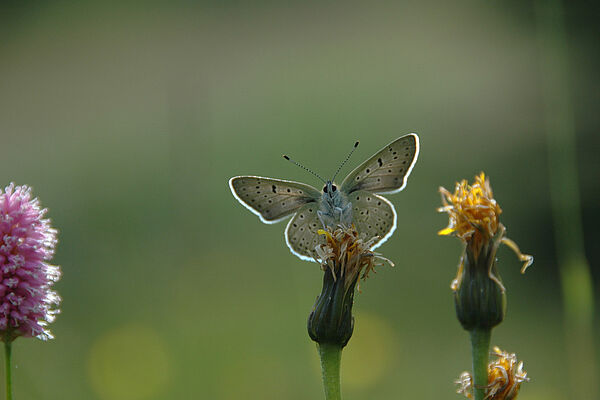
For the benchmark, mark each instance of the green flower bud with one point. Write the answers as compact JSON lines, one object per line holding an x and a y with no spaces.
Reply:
{"x":479,"y":296}
{"x":331,"y":319}
{"x":344,"y":259}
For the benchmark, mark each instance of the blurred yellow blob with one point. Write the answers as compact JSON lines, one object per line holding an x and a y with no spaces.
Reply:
{"x":369,"y":353}
{"x":129,"y":362}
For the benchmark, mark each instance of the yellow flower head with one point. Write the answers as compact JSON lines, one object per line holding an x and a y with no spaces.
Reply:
{"x":344,"y":258}
{"x":347,"y":255}
{"x":473,"y":217}
{"x":472,"y":210}
{"x":505,"y":375}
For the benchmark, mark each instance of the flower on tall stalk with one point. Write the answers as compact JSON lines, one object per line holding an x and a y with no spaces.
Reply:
{"x":474,"y":218}
{"x":27,"y":241}
{"x":345,"y":258}
{"x":505,"y":375}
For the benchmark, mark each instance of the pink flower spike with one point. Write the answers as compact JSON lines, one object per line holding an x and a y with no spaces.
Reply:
{"x":27,"y":241}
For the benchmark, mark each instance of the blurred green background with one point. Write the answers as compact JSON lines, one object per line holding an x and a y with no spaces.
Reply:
{"x":128,"y":120}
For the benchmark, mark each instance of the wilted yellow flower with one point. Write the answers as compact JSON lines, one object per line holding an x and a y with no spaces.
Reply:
{"x":472,"y":210}
{"x":347,"y":255}
{"x":505,"y":375}
{"x":345,"y":258}
{"x":473,"y":217}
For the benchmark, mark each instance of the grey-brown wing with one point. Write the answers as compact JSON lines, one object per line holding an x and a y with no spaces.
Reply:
{"x":272,"y":199}
{"x":387,"y":170}
{"x":301,"y":233}
{"x":373,"y":216}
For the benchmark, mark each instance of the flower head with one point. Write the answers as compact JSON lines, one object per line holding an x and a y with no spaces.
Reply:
{"x":505,"y":375}
{"x":473,"y":217}
{"x":472,"y":210}
{"x":347,"y":255}
{"x":345,"y":258}
{"x":27,"y":241}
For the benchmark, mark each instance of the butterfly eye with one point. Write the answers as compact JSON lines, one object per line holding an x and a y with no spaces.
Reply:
{"x":333,"y":188}
{"x":325,"y":188}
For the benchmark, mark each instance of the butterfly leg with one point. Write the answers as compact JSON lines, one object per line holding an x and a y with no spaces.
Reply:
{"x":321,"y":215}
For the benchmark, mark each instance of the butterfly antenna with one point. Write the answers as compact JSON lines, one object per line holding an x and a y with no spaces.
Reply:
{"x":345,"y":161}
{"x":304,"y":168}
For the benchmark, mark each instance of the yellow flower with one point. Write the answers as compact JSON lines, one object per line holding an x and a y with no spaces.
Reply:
{"x":345,"y":258}
{"x":347,"y":255}
{"x":473,"y":217}
{"x":472,"y":210}
{"x":505,"y":375}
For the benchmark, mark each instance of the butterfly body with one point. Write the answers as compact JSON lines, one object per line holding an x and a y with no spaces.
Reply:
{"x":356,"y":201}
{"x":334,"y":207}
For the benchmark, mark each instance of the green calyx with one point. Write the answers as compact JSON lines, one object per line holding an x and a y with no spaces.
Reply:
{"x":331,"y":320}
{"x":480,"y":298}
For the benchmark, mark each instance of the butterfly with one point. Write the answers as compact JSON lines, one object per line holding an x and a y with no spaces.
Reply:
{"x":356,"y":200}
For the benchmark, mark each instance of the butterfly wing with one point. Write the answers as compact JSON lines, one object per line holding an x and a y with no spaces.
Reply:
{"x":301,"y":232}
{"x":387,"y":170}
{"x":272,"y":199}
{"x":373,"y":215}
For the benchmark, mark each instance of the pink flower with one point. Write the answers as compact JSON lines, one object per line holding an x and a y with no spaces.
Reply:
{"x":27,"y":303}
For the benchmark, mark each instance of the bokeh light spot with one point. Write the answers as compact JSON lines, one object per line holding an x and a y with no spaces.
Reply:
{"x":129,"y":362}
{"x":370,"y":352}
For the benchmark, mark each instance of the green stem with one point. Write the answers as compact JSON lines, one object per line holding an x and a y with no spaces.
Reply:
{"x":7,"y":370}
{"x":331,"y":355}
{"x":480,"y":346}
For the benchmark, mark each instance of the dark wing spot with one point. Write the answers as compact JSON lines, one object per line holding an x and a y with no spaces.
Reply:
{"x":380,"y":162}
{"x":357,"y":178}
{"x":258,"y":187}
{"x":274,"y":189}
{"x":368,"y":170}
{"x":289,"y":190}
{"x":357,"y":198}
{"x":378,"y":203}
